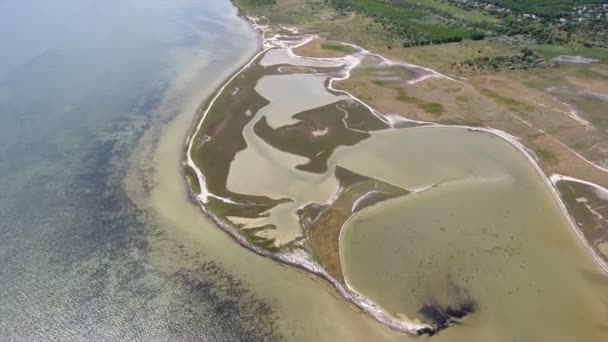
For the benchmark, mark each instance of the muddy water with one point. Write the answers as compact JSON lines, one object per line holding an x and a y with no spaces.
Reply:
{"x":488,"y":233}
{"x":285,"y":95}
{"x":263,"y":170}
{"x":588,"y":205}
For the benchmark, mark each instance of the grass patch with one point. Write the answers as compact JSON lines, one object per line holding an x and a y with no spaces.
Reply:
{"x":410,"y":23}
{"x":469,"y":15}
{"x":445,"y":56}
{"x":512,"y":103}
{"x":262,"y":242}
{"x":290,"y":12}
{"x":192,"y":179}
{"x":546,"y":156}
{"x":433,"y":108}
{"x":325,"y":238}
{"x":546,"y":50}
{"x":345,"y":49}
{"x":462,"y":99}
{"x":405,"y":98}
{"x":217,"y":207}
{"x":379,"y":83}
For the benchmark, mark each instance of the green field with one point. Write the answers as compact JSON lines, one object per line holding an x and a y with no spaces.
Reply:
{"x":345,"y":49}
{"x":470,"y":15}
{"x":442,"y":21}
{"x":600,"y":54}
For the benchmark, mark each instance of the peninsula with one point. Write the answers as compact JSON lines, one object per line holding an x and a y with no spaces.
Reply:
{"x":403,"y":173}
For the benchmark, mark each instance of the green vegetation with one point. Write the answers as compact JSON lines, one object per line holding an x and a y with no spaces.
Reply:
{"x":526,"y":59}
{"x":263,"y":2}
{"x":490,"y":32}
{"x":222,"y":210}
{"x":470,"y":15}
{"x":432,"y":108}
{"x":324,"y":229}
{"x":443,"y":21}
{"x":544,"y":8}
{"x":548,"y":21}
{"x":345,"y":49}
{"x":268,"y":244}
{"x":403,"y":97}
{"x":380,"y":83}
{"x":429,"y":107}
{"x":192,"y":179}
{"x":217,"y":207}
{"x":547,"y":50}
{"x":512,"y":103}
{"x":547,"y":156}
{"x":415,"y":24}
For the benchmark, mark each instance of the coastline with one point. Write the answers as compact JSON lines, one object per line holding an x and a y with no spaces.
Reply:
{"x":297,"y":260}
{"x":302,"y":261}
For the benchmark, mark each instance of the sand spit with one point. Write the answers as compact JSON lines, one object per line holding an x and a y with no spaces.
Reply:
{"x":601,"y":191}
{"x":278,"y":48}
{"x":296,"y":257}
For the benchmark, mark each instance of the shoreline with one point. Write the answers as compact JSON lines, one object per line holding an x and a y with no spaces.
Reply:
{"x":297,"y":257}
{"x":296,"y":260}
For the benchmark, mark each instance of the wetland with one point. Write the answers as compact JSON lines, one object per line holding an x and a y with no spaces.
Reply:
{"x":422,"y":225}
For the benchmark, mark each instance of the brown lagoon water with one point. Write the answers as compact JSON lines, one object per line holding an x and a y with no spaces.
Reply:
{"x":489,"y":234}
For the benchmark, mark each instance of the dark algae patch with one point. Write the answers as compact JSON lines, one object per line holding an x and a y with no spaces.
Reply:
{"x":441,"y":317}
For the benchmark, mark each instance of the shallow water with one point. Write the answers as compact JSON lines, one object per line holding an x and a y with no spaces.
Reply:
{"x":98,"y":237}
{"x":80,"y":83}
{"x":285,"y":95}
{"x":489,"y":233}
{"x":589,"y":208}
{"x":263,"y":170}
